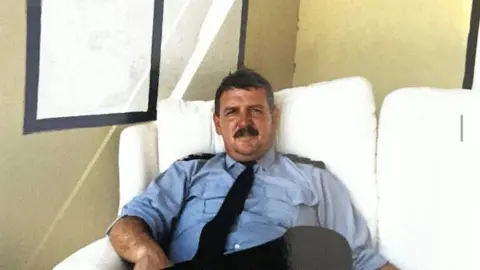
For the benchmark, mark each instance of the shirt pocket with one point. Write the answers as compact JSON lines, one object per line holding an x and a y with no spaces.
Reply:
{"x":290,"y":206}
{"x":213,"y":195}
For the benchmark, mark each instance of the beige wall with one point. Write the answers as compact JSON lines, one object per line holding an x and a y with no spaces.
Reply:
{"x":392,"y":43}
{"x":39,"y":172}
{"x":271,"y":38}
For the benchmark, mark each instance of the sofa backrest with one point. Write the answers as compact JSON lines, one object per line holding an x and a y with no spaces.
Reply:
{"x":428,"y":169}
{"x":333,"y":122}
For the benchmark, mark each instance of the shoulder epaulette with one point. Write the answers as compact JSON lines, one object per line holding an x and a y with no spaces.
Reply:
{"x":204,"y":156}
{"x":318,"y":164}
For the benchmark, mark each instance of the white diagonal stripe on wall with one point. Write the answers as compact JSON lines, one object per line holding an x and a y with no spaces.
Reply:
{"x":211,"y":26}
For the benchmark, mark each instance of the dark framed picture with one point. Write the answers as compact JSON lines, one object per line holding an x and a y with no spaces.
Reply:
{"x":91,"y":63}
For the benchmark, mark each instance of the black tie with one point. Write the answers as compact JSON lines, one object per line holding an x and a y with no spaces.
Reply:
{"x":215,"y":233}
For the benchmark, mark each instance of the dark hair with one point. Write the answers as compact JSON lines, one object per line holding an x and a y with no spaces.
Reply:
{"x":244,"y":78}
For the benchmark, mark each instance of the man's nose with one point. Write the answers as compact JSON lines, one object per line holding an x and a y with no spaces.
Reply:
{"x":244,"y":120}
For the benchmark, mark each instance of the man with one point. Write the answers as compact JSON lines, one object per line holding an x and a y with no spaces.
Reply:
{"x":284,"y":194}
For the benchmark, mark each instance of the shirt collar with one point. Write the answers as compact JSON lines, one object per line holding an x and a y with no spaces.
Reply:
{"x":265,"y":162}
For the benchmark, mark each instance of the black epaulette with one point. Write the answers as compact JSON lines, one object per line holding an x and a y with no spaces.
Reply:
{"x":317,"y":164}
{"x":204,"y":156}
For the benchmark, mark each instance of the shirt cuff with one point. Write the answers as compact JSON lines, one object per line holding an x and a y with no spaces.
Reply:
{"x":369,"y":260}
{"x":143,"y":217}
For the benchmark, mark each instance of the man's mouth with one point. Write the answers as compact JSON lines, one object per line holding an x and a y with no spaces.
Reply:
{"x":247,"y":137}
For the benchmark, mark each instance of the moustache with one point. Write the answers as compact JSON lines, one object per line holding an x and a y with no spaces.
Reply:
{"x":248,"y":130}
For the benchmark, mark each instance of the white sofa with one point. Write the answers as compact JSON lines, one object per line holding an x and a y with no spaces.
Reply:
{"x":416,"y":184}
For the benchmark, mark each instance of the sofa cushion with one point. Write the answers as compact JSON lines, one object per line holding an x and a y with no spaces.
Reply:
{"x":333,"y":122}
{"x":428,"y":177}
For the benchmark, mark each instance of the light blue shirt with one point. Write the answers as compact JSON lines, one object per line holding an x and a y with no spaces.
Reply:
{"x":284,"y":194}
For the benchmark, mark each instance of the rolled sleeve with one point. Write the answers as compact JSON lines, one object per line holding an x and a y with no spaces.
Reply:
{"x":162,"y":200}
{"x":338,"y":213}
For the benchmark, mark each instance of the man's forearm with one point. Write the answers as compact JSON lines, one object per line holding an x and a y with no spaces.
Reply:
{"x":388,"y":266}
{"x":131,"y":240}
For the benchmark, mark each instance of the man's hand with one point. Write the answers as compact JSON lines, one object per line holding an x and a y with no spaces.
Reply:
{"x":152,"y":262}
{"x":389,"y":266}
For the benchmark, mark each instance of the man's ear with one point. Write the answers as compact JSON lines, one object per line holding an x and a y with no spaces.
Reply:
{"x":216,"y":121}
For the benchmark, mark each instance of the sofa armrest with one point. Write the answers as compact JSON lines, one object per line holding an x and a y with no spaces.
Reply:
{"x":98,"y":255}
{"x":138,"y":160}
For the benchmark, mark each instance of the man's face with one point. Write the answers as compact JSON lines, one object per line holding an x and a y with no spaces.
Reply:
{"x":246,"y":123}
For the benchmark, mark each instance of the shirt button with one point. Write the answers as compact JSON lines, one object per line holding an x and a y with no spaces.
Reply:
{"x":236,"y":246}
